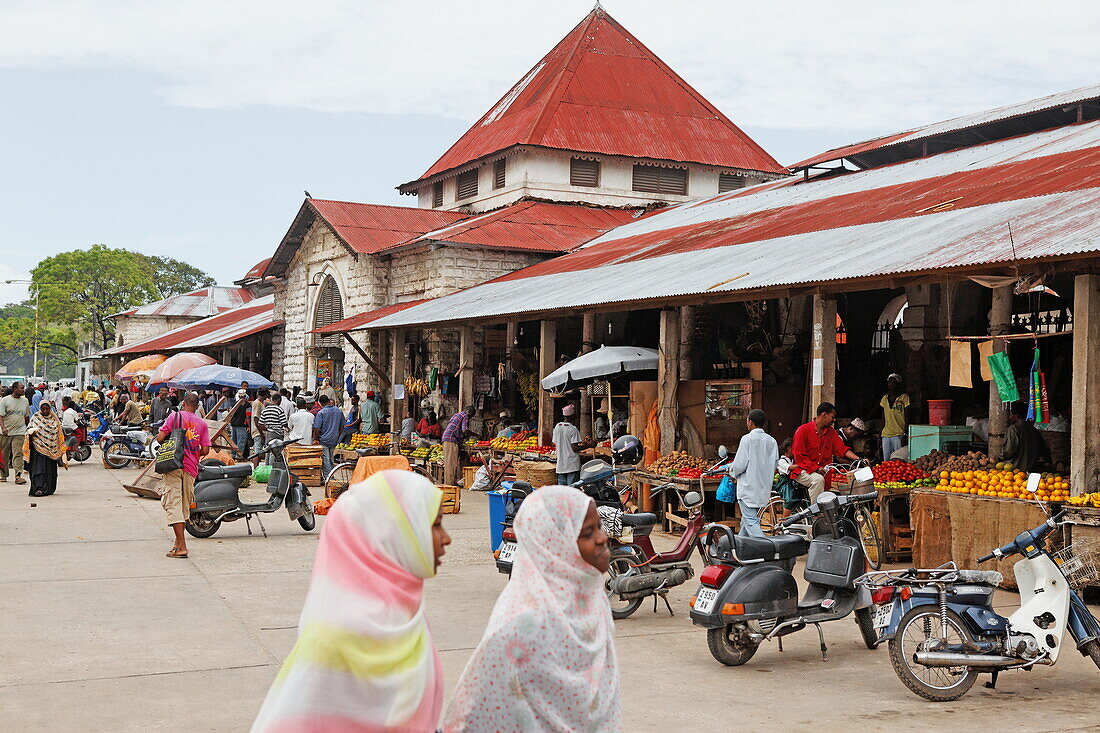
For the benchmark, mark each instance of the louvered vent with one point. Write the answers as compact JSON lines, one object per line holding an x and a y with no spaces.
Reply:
{"x":655,"y":179}
{"x":437,"y":194}
{"x":467,"y":184}
{"x":498,"y":174}
{"x":330,"y":309}
{"x":584,"y":172}
{"x":730,"y":182}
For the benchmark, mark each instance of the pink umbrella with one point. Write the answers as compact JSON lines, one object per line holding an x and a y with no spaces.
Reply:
{"x":177,"y":364}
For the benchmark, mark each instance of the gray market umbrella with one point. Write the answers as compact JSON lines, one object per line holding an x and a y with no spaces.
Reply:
{"x":606,"y":361}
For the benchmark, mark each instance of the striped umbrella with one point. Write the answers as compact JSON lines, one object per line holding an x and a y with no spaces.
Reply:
{"x":143,"y":366}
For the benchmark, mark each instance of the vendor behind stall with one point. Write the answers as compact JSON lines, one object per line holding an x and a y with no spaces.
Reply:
{"x":896,"y":413}
{"x":1023,"y":444}
{"x":568,"y":444}
{"x":815,"y":445}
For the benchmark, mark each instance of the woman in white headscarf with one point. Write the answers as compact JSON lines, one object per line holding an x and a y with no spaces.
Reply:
{"x":364,"y":661}
{"x":547,"y":659}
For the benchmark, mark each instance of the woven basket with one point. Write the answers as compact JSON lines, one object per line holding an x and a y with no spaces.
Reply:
{"x":536,"y":473}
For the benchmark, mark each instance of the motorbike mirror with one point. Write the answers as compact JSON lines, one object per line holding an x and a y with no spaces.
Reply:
{"x":723,"y":452}
{"x":692,"y":499}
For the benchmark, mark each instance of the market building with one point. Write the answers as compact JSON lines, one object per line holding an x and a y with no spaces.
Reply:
{"x":599,"y":132}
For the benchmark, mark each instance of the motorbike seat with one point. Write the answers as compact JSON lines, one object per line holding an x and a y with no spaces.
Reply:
{"x":640,"y":519}
{"x":980,"y":577}
{"x":212,"y":473}
{"x":779,"y":547}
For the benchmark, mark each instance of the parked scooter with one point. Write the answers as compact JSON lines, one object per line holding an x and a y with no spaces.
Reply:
{"x":126,"y":444}
{"x":77,"y":444}
{"x":943,"y":631}
{"x":100,"y":430}
{"x":217,"y":495}
{"x":748,"y":593}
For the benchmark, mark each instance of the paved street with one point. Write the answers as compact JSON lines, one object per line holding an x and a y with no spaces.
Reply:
{"x":102,"y":632}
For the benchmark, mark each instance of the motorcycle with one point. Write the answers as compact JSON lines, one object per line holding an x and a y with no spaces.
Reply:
{"x":942,"y":630}
{"x":748,"y":594}
{"x":77,"y":444}
{"x":125,"y":444}
{"x":217,"y":495}
{"x":100,"y":430}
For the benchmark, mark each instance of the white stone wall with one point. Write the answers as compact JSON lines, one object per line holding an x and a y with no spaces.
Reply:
{"x":133,"y":329}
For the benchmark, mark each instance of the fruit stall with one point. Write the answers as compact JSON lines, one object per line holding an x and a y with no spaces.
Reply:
{"x":895,"y":480}
{"x":685,"y":471}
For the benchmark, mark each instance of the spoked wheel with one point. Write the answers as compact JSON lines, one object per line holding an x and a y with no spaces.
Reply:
{"x":83,"y":453}
{"x":869,"y":536}
{"x":920,"y":629}
{"x":202,"y":525}
{"x":619,"y":608}
{"x":771,"y":514}
{"x":339,"y":478}
{"x":116,"y":456}
{"x":866,"y":623}
{"x":308,"y":521}
{"x":731,"y":645}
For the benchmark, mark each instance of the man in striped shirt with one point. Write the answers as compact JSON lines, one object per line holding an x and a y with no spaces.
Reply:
{"x":273,"y":420}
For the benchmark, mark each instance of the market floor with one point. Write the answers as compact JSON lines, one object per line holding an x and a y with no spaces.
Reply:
{"x":101,"y":632}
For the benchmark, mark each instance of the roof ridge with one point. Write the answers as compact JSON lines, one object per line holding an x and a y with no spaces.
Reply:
{"x":557,"y":90}
{"x":385,"y":206}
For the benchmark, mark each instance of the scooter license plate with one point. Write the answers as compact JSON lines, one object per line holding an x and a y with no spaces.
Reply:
{"x":507,"y":552}
{"x":704,"y":600}
{"x":883,"y":614}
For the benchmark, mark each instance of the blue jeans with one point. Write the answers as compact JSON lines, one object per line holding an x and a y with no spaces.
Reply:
{"x":889,"y":445}
{"x":568,"y":479}
{"x":240,"y":437}
{"x":750,"y":520}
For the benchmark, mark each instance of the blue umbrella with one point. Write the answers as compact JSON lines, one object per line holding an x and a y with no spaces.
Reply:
{"x":219,"y":375}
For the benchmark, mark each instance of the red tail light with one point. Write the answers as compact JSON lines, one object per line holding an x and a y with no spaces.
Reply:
{"x":905,"y":593}
{"x":508,"y":534}
{"x":714,"y":575}
{"x":883,"y":595}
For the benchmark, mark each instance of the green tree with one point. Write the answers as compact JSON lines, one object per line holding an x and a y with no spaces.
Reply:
{"x":172,"y":277}
{"x":57,"y":352}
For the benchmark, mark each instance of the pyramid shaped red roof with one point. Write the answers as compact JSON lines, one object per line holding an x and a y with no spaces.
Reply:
{"x":601,"y":91}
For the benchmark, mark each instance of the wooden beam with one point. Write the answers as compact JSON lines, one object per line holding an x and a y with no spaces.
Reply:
{"x":548,"y":346}
{"x":687,"y":341}
{"x":668,"y":379}
{"x":378,"y":371}
{"x":397,"y":377}
{"x":511,"y":334}
{"x":1084,"y":459}
{"x":1000,"y":321}
{"x":588,"y":344}
{"x":822,"y":375}
{"x":466,"y":367}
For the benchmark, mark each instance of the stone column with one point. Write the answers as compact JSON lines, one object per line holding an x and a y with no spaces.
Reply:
{"x":397,"y":377}
{"x":466,"y":367}
{"x":822,"y":353}
{"x":1084,"y":458}
{"x":668,"y":378}
{"x":548,"y":344}
{"x":588,"y":337}
{"x":1000,"y":320}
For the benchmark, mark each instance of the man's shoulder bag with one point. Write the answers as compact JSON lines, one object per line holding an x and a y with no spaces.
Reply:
{"x":170,"y":452}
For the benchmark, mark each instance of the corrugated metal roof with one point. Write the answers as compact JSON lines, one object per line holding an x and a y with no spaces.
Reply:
{"x":601,"y":91}
{"x":224,"y":328}
{"x":198,"y":303}
{"x":371,"y":228}
{"x":536,"y":226}
{"x":935,"y":213}
{"x":1052,"y":101}
{"x":257,"y":269}
{"x":358,"y":321}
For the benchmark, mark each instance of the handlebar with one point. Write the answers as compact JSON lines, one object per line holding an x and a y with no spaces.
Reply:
{"x":272,"y":446}
{"x":1024,"y":541}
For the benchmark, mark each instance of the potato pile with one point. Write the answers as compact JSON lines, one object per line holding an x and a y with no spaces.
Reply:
{"x":939,"y":460}
{"x":676,"y":461}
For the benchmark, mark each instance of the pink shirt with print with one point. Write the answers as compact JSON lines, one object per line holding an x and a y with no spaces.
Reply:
{"x":197,"y":437}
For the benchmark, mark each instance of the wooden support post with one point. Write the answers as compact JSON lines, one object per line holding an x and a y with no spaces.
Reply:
{"x":822,"y":353}
{"x":687,"y":342}
{"x":378,"y":371}
{"x":1000,"y":319}
{"x":466,"y":367}
{"x":548,"y":346}
{"x":397,"y":378}
{"x":1084,"y":456}
{"x":668,"y":368}
{"x":588,"y":339}
{"x":511,"y":333}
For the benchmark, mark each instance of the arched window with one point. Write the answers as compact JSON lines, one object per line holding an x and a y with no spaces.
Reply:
{"x":330,"y":309}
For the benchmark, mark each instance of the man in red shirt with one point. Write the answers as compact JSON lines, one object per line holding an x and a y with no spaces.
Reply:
{"x":815,"y":444}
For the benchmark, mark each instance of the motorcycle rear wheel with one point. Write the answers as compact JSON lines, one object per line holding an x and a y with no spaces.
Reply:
{"x":308,"y":521}
{"x":1092,"y":651}
{"x":113,"y":457}
{"x":866,"y":623}
{"x":202,"y":525}
{"x":931,"y":683}
{"x":731,"y":645}
{"x":620,"y":608}
{"x":83,"y":453}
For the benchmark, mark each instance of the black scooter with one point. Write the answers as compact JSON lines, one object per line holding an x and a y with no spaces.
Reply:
{"x":217,"y":497}
{"x":748,"y":593}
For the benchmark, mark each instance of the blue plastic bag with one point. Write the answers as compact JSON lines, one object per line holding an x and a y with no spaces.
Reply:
{"x":727,"y":490}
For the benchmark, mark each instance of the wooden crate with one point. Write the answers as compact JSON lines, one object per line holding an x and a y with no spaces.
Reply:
{"x":468,"y":474}
{"x":309,"y":476}
{"x":452,"y":499}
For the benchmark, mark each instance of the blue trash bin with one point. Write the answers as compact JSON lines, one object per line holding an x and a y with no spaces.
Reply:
{"x":496,"y":519}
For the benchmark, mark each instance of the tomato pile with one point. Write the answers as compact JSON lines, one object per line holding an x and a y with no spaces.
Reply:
{"x":689,"y":473}
{"x":893,"y":471}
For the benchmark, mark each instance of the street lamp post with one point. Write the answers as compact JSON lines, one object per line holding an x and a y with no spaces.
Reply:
{"x":37,"y":296}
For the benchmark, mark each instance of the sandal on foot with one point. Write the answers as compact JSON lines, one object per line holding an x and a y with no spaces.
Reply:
{"x":176,"y":553}
{"x":20,"y":480}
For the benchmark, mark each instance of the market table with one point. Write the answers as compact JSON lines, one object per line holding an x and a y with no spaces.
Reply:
{"x":645,"y":478}
{"x":962,"y":527}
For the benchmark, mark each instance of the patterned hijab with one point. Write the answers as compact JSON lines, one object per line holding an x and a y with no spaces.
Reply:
{"x":547,"y":660}
{"x":364,"y":660}
{"x":46,"y":435}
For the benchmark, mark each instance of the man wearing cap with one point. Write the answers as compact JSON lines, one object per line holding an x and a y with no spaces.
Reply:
{"x":852,"y":432}
{"x":896,"y":414}
{"x":238,"y":423}
{"x":452,"y":438}
{"x":567,"y":442}
{"x":370,"y":414}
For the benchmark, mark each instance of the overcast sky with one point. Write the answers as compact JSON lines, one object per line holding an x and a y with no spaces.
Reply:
{"x":191,"y":128}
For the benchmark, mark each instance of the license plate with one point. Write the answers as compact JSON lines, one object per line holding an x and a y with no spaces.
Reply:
{"x":883,"y":614}
{"x":507,"y":552}
{"x":704,"y":600}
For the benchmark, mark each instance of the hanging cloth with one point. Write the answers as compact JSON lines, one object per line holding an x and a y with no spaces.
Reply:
{"x":1003,"y":377}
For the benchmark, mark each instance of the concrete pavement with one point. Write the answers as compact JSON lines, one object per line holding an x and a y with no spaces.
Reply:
{"x":101,"y":632}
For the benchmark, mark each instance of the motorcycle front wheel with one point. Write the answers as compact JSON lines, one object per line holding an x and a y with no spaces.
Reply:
{"x":731,"y":644}
{"x":83,"y":453}
{"x":308,"y":521}
{"x":917,"y":629}
{"x":202,"y":525}
{"x":620,"y":608}
{"x":866,"y":623}
{"x":116,"y":456}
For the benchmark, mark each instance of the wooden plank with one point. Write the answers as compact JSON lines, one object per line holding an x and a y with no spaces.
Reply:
{"x":466,"y":367}
{"x":1000,"y":321}
{"x":548,"y":348}
{"x":398,"y":356}
{"x":668,"y":379}
{"x":822,"y":376}
{"x":1084,"y":459}
{"x":379,"y":372}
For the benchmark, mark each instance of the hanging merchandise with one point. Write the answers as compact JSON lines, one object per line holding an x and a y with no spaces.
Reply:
{"x":1001,"y":368}
{"x":960,"y":364}
{"x":985,"y":350}
{"x":1037,"y":411}
{"x":433,"y":377}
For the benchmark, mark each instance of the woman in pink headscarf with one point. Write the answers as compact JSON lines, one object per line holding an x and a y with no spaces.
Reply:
{"x":364,"y":661}
{"x":547,"y":660}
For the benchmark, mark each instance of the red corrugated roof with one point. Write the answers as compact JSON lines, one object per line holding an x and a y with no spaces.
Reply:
{"x":223,"y":328}
{"x":601,"y":91}
{"x":361,"y":319}
{"x":198,"y":303}
{"x":536,"y":226}
{"x":257,"y":269}
{"x":370,"y":228}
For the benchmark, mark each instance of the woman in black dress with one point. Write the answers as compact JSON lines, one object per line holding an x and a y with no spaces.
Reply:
{"x":46,"y":446}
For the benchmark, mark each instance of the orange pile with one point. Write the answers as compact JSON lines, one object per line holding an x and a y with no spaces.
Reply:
{"x":1004,"y":484}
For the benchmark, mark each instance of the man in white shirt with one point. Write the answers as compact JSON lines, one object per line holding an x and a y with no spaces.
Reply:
{"x":567,"y":443}
{"x":69,"y":417}
{"x":285,"y":403}
{"x":753,"y":469}
{"x":301,"y":424}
